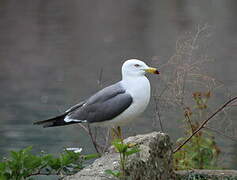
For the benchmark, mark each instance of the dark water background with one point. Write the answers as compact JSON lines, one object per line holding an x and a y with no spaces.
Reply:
{"x":51,"y":53}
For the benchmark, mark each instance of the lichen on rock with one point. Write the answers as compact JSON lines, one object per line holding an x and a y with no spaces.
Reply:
{"x":158,"y":164}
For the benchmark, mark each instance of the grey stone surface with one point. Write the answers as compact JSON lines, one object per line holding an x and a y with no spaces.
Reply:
{"x":154,"y":161}
{"x":210,"y":174}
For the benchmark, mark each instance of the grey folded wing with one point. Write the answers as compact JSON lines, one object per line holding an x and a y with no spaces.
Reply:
{"x":75,"y":107}
{"x":102,"y":106}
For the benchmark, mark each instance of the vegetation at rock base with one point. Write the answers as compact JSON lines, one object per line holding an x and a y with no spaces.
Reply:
{"x":201,"y":152}
{"x":124,"y":151}
{"x":21,"y":165}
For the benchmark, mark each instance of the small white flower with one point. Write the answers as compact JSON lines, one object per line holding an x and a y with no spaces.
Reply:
{"x":75,"y":150}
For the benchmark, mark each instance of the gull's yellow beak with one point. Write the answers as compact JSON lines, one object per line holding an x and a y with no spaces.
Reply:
{"x":152,"y":70}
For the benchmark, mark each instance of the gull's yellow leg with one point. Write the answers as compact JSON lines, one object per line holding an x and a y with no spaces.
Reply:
{"x":119,"y":131}
{"x":113,"y":133}
{"x":116,"y":133}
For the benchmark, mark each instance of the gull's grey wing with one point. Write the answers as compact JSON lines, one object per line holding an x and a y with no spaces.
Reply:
{"x":104,"y":105}
{"x":75,"y":107}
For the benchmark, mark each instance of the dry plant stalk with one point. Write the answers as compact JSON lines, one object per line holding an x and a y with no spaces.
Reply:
{"x":184,"y":73}
{"x":98,"y":135}
{"x":203,"y":124}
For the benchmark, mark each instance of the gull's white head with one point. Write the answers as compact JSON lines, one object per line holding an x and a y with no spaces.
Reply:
{"x":135,"y":67}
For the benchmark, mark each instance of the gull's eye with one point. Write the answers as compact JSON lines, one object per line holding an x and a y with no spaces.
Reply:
{"x":137,"y":65}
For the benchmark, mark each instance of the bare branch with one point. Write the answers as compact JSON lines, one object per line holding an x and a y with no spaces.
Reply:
{"x":221,"y":133}
{"x":157,"y":113}
{"x":83,"y":127}
{"x":99,"y":81}
{"x":204,"y":123}
{"x":92,"y":138}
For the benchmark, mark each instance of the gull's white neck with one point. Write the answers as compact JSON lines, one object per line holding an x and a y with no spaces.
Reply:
{"x":139,"y":88}
{"x":136,"y":83}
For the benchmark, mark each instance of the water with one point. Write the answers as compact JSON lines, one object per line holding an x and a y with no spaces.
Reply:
{"x":51,"y":54}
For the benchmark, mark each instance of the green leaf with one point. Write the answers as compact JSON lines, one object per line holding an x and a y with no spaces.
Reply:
{"x":21,"y":164}
{"x":47,"y":158}
{"x":54,"y":163}
{"x":27,"y":150}
{"x":115,"y":173}
{"x":109,"y":171}
{"x":91,"y":156}
{"x":2,"y":166}
{"x":15,"y":155}
{"x":131,"y":151}
{"x":32,"y":162}
{"x":120,"y":146}
{"x":65,"y":159}
{"x":2,"y":177}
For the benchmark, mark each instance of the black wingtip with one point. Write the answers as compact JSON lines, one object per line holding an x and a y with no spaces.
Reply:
{"x":36,"y":123}
{"x":41,"y":122}
{"x":55,"y":121}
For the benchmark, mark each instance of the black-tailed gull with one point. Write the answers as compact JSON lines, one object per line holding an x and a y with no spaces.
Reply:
{"x":114,"y":105}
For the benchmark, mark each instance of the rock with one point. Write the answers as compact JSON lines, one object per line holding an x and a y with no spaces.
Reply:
{"x":153,"y":162}
{"x":207,"y":174}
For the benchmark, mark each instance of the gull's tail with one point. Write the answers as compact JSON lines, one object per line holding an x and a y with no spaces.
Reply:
{"x":56,"y":121}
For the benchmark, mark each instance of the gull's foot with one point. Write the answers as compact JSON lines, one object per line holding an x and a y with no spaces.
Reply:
{"x":130,"y":145}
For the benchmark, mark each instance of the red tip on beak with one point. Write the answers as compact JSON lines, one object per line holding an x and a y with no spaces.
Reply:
{"x":157,"y":72}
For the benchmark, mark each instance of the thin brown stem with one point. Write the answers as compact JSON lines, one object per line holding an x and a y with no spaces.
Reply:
{"x":189,"y":122}
{"x":92,"y":138}
{"x":221,"y":133}
{"x":107,"y":140}
{"x":83,"y":127}
{"x":157,"y":112}
{"x":204,"y":123}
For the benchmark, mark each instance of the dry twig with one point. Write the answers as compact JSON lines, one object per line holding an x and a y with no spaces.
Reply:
{"x":204,"y":123}
{"x":221,"y":133}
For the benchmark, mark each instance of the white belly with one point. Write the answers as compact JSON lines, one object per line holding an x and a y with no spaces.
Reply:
{"x":139,"y":89}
